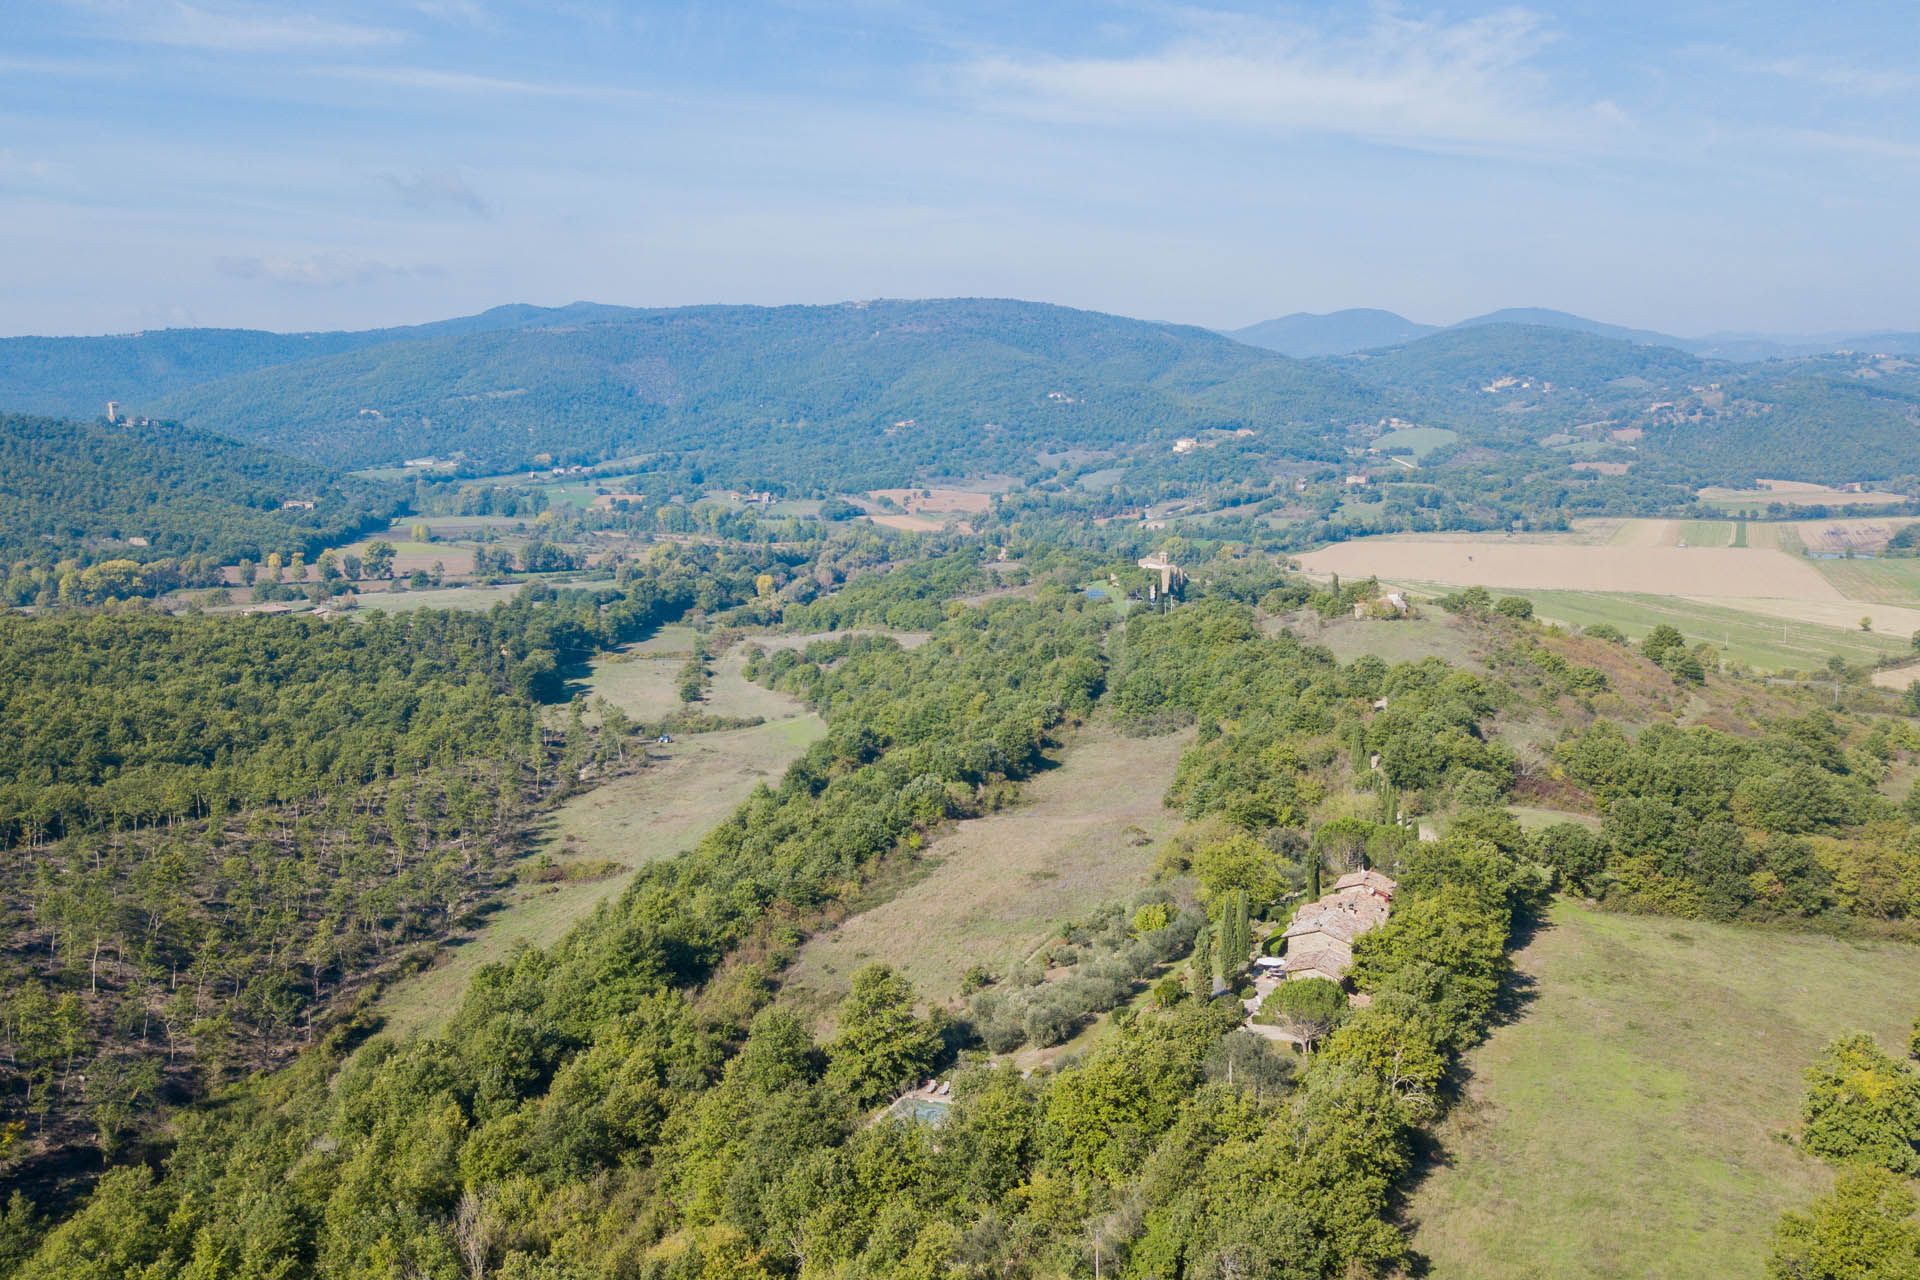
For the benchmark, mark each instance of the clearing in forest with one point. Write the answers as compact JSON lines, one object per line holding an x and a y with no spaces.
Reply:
{"x":1628,"y":1121}
{"x":464,"y":599}
{"x":1082,"y":834}
{"x":588,"y":849}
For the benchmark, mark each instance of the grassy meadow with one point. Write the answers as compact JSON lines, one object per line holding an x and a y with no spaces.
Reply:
{"x":1773,"y":644}
{"x":993,"y":889}
{"x":1629,"y":1121}
{"x":687,"y":789}
{"x":611,"y":831}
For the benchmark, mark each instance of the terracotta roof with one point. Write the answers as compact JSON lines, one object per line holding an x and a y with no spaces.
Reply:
{"x":1369,"y":879}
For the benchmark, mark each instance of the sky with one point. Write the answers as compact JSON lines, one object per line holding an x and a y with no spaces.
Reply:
{"x":1691,"y":166}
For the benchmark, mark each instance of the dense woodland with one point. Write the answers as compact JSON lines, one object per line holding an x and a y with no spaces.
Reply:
{"x":218,"y":827}
{"x":75,"y":495}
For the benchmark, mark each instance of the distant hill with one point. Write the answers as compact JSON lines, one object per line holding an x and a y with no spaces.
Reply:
{"x":87,"y":490}
{"x":1348,"y":332}
{"x":1544,"y":318}
{"x":1336,"y":333}
{"x":1521,"y":381}
{"x":859,"y":393}
{"x":77,"y":376}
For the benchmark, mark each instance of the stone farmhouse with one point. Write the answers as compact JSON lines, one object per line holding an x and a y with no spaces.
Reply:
{"x":1319,"y":940}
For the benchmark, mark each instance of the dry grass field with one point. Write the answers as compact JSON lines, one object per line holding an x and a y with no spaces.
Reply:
{"x":1627,"y":1123}
{"x":633,"y":820}
{"x":1792,"y":493}
{"x":664,"y":809}
{"x":995,"y":888}
{"x":963,"y":502}
{"x":474,"y":599}
{"x":1657,"y":569}
{"x":907,"y":523}
{"x":1897,"y":677}
{"x":640,"y":683}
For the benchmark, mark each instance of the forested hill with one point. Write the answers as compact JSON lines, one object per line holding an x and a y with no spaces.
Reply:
{"x":850,"y":394}
{"x":76,"y":377}
{"x":86,"y":490}
{"x":823,"y":399}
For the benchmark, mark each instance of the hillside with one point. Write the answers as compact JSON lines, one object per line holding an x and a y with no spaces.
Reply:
{"x":77,"y":376}
{"x":1627,"y":1121}
{"x":1337,"y":333}
{"x":861,"y":393}
{"x":83,"y":490}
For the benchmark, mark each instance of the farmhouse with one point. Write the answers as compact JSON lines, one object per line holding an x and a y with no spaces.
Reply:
{"x":1319,"y":940}
{"x":1170,"y":573}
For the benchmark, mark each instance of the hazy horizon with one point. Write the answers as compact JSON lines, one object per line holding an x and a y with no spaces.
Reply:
{"x":349,"y":165}
{"x":423,"y":319}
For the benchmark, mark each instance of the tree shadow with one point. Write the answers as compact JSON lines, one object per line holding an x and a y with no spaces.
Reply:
{"x":1428,"y":1150}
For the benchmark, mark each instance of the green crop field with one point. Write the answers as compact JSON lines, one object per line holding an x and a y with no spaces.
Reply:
{"x":1628,"y":1123}
{"x":1710,"y":533}
{"x":1894,"y":581}
{"x":1769,"y":644}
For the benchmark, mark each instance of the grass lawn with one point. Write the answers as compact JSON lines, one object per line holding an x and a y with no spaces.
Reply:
{"x":1083,"y":834}
{"x":1769,"y":644}
{"x":1627,"y":1123}
{"x":633,"y":820}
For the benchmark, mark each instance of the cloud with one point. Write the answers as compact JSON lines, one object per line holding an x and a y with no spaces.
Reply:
{"x":315,"y":271}
{"x":436,"y":188}
{"x":1423,"y":83}
{"x":233,"y":28}
{"x":1826,"y":73}
{"x":14,"y":165}
{"x":433,"y":79}
{"x":1857,"y":145}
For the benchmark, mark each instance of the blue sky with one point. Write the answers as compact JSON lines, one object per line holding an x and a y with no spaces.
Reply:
{"x":1688,"y":165}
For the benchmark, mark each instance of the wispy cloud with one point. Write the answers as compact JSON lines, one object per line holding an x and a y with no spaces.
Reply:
{"x":14,"y":165}
{"x":315,"y":271}
{"x":436,"y":188}
{"x":1857,"y":145}
{"x":1828,"y":73}
{"x":234,"y":28}
{"x":1423,"y":83}
{"x":436,"y":80}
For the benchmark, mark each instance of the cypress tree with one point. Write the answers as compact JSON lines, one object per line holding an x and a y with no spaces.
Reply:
{"x":1200,"y":978}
